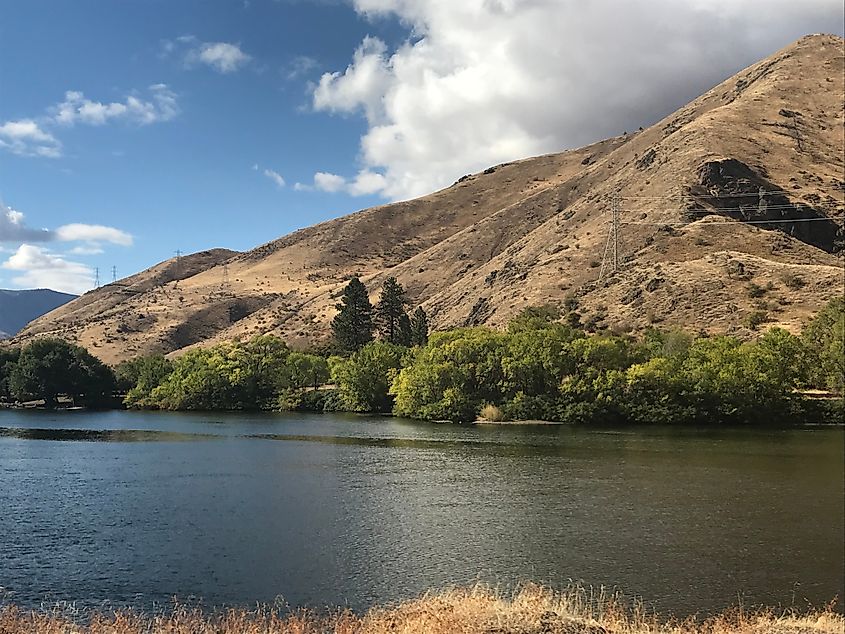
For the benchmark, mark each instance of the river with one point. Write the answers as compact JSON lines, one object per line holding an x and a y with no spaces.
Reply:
{"x":133,"y":508}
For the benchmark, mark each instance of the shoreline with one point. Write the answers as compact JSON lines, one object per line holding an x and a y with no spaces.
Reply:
{"x":531,"y":609}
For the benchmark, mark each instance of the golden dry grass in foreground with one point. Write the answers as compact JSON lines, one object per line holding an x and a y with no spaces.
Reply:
{"x":479,"y":610}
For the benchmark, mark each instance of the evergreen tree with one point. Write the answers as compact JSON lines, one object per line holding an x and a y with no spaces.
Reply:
{"x":419,"y":327}
{"x":389,"y":311}
{"x":405,"y":332}
{"x":353,"y":325}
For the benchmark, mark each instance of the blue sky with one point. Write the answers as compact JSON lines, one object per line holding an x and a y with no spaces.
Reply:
{"x":130,"y":129}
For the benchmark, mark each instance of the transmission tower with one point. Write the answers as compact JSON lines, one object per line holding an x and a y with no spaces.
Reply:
{"x":178,"y":267}
{"x":97,"y":277}
{"x":610,"y":260}
{"x":226,"y":285}
{"x":113,"y":274}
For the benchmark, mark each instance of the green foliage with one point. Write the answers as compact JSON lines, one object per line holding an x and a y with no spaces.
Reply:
{"x":8,"y":360}
{"x":419,"y":327}
{"x":364,"y":379}
{"x":307,"y":370}
{"x":405,"y":332}
{"x":546,"y":370}
{"x":389,"y":311}
{"x":353,"y":325}
{"x":229,"y":376}
{"x":824,"y":338}
{"x":534,"y":317}
{"x":756,"y":318}
{"x":139,"y":377}
{"x":49,"y":368}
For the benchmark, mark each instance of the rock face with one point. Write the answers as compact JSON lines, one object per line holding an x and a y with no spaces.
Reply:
{"x":696,"y":234}
{"x":18,"y":308}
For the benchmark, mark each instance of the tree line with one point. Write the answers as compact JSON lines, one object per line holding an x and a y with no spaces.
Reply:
{"x":545,"y":365}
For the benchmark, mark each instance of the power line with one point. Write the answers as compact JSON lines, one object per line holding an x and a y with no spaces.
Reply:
{"x":726,"y":222}
{"x":773,"y":192}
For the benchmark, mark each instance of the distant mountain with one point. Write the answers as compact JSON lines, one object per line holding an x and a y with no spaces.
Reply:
{"x":18,"y":308}
{"x":699,"y":246}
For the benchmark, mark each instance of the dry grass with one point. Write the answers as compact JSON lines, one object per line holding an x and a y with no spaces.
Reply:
{"x":492,"y":413}
{"x":479,"y":610}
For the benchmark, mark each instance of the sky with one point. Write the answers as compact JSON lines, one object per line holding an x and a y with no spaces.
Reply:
{"x":132,"y":129}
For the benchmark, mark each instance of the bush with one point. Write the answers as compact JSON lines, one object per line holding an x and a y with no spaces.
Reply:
{"x":793,"y":281}
{"x":756,"y":318}
{"x":755,"y":290}
{"x":492,"y":413}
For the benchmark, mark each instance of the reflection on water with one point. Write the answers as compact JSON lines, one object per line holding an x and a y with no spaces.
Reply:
{"x":355,"y":510}
{"x":99,"y":435}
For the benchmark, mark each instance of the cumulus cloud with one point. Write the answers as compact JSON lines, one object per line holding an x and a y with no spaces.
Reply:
{"x":78,"y":232}
{"x":485,"y":81}
{"x":13,"y":228}
{"x":366,"y":182}
{"x":37,"y":267}
{"x":224,"y":57}
{"x":161,"y":105}
{"x":30,"y":137}
{"x":25,"y":137}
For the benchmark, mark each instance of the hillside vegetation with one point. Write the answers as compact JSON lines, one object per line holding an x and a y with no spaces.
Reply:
{"x":699,"y":247}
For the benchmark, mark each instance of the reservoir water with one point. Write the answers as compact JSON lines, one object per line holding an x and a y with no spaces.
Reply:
{"x":132,"y":508}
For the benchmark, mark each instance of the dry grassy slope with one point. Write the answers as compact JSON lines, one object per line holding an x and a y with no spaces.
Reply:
{"x":535,"y":230}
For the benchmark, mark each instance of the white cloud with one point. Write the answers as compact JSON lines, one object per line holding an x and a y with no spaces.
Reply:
{"x":28,"y":137}
{"x":365,"y":183}
{"x":40,"y":268}
{"x":76,"y":108}
{"x":78,"y":232}
{"x":224,"y":57}
{"x":13,"y":228}
{"x":327,"y":182}
{"x":87,"y":250}
{"x":25,"y":137}
{"x":486,"y":81}
{"x":275,"y":177}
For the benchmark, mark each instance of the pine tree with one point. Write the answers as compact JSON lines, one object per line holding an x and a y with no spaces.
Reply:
{"x":419,"y":327}
{"x":353,"y":325}
{"x":404,"y":331}
{"x":389,"y":310}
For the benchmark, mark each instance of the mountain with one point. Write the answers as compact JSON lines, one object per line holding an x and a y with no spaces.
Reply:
{"x":699,"y":247}
{"x":18,"y":308}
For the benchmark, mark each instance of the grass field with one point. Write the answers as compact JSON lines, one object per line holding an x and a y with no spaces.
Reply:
{"x":478,"y":610}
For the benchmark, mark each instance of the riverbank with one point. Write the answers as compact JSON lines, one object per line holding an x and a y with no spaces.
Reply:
{"x":479,"y":610}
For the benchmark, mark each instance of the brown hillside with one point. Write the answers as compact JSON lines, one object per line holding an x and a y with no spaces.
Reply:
{"x":694,"y":233}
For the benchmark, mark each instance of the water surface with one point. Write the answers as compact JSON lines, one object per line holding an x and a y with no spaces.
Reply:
{"x":135,"y":508}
